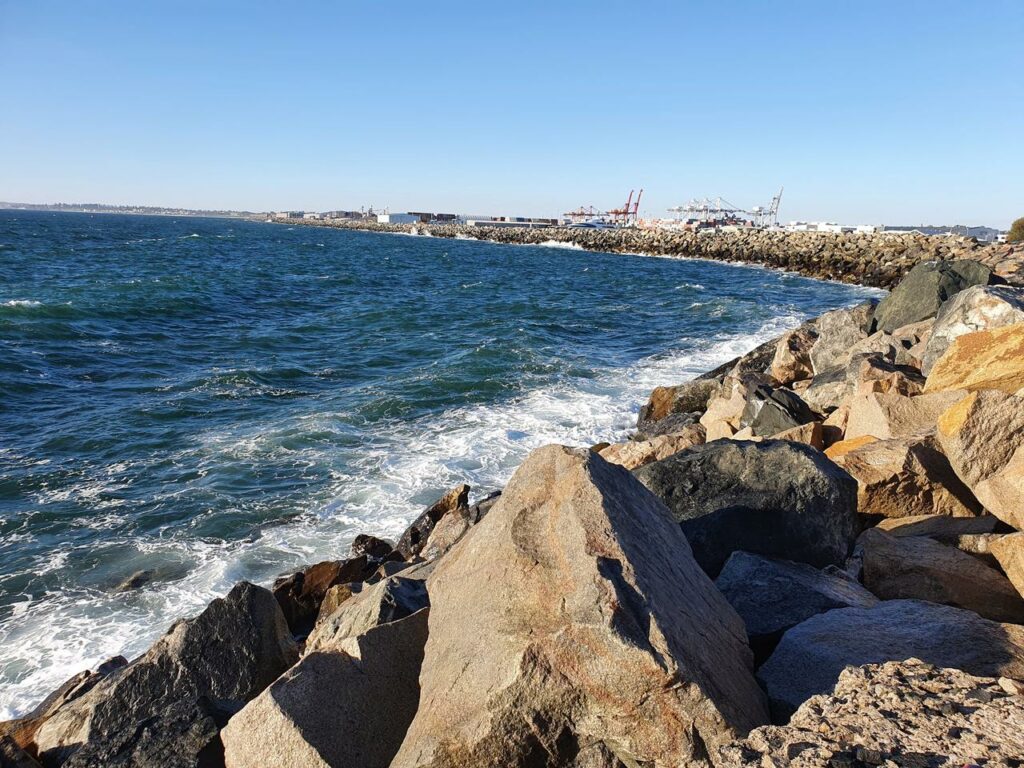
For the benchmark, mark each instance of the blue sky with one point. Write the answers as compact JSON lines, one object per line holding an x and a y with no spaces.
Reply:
{"x":867,"y":112}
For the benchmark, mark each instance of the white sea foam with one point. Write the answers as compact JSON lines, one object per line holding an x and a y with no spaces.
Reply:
{"x":560,"y":244}
{"x":395,"y":471}
{"x":22,"y":303}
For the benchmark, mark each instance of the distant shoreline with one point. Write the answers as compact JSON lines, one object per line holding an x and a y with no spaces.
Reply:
{"x":874,"y":260}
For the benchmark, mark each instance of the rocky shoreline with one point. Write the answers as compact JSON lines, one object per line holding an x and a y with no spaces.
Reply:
{"x":811,"y":556}
{"x":874,"y":260}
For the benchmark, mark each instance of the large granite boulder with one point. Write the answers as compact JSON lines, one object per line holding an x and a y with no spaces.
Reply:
{"x":924,"y":289}
{"x":901,"y":713}
{"x":990,"y":359}
{"x":166,"y":707}
{"x":812,"y":655}
{"x":920,"y":568}
{"x":689,"y":397}
{"x":773,"y":498}
{"x":773,"y":595}
{"x":1008,"y":551}
{"x":575,"y":622}
{"x":838,"y":331}
{"x":888,"y":415}
{"x":637,"y":453}
{"x":792,"y":359}
{"x":905,"y":477}
{"x":982,"y":435}
{"x":349,"y":706}
{"x":977,"y":308}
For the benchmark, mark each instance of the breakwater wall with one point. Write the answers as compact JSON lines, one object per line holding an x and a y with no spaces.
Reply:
{"x":877,"y":260}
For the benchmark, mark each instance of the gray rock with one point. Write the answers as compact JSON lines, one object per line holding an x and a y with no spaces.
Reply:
{"x":811,"y":656}
{"x":688,"y":397}
{"x":671,"y":424}
{"x":838,"y":331}
{"x":896,"y":714}
{"x":168,"y":701}
{"x":770,"y":411}
{"x":973,"y":309}
{"x":13,"y":756}
{"x":925,"y":288}
{"x":300,"y":594}
{"x":372,"y":547}
{"x":775,"y":498}
{"x":349,"y":706}
{"x":454,"y":502}
{"x":773,"y":595}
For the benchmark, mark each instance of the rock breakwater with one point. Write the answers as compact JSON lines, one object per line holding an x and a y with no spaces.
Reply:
{"x":809,"y":556}
{"x":875,"y":260}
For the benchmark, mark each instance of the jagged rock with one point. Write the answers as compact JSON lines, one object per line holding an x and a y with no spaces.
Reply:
{"x":838,"y":331}
{"x":833,"y":428}
{"x":924,"y":289}
{"x":689,"y":397}
{"x":941,"y":527}
{"x":135,"y":581}
{"x":724,"y":411}
{"x":990,"y":359}
{"x":345,"y":707}
{"x":371,"y":546}
{"x":920,"y":568}
{"x":906,"y":713}
{"x":982,"y":435}
{"x":455,"y":502}
{"x":880,"y":344}
{"x":22,"y":731}
{"x":299,"y":594}
{"x":773,"y":498}
{"x":769,"y":411}
{"x":773,"y":595}
{"x":792,"y":359}
{"x":873,"y":373}
{"x":1009,"y":553}
{"x":977,"y":308}
{"x":636,"y":453}
{"x":886,"y":415}
{"x":811,"y":656}
{"x":169,"y":702}
{"x":755,"y":362}
{"x":905,"y":477}
{"x":826,"y":391}
{"x":389,"y":600}
{"x":573,"y":618}
{"x":809,"y":434}
{"x":676,"y":422}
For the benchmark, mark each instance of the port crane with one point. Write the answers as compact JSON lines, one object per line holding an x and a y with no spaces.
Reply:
{"x":627,"y":213}
{"x":715,"y":211}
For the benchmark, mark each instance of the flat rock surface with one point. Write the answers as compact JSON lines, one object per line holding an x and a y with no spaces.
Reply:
{"x":909,"y":712}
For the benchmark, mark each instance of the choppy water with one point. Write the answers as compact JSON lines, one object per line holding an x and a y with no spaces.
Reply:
{"x":217,"y":400}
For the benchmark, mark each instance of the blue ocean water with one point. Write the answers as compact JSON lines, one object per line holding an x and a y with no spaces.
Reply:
{"x":215,"y":400}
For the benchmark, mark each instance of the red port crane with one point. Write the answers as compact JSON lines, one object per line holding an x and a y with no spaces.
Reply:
{"x":628,"y":213}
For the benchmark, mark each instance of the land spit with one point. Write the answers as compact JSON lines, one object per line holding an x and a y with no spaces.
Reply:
{"x":876,"y":260}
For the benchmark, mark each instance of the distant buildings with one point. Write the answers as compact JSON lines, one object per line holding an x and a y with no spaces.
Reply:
{"x":983,"y":234}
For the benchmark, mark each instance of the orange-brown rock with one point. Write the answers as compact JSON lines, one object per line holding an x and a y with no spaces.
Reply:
{"x":636,"y":453}
{"x":989,"y":359}
{"x":888,"y":415}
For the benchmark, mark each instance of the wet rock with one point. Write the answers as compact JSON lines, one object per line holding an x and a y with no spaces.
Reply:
{"x":455,"y":502}
{"x":478,"y":511}
{"x":920,"y":568}
{"x":990,"y":359}
{"x":774,"y":498}
{"x":169,"y":700}
{"x":977,"y":308}
{"x":135,"y":581}
{"x":349,"y":706}
{"x":300,"y":594}
{"x":905,"y":477}
{"x":689,"y":397}
{"x":982,"y":435}
{"x":838,"y":331}
{"x":372,"y":547}
{"x":812,"y":655}
{"x":575,"y":617}
{"x":889,"y":714}
{"x":637,"y":453}
{"x":924,"y":289}
{"x":773,"y":595}
{"x":769,"y":411}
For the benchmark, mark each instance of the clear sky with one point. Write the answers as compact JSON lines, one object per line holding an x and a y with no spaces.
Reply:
{"x":868,"y":112}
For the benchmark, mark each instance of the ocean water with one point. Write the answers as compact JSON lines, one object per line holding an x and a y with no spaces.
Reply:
{"x":215,"y":400}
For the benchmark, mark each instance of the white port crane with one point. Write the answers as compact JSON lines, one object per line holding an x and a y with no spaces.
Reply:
{"x":718,"y":209}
